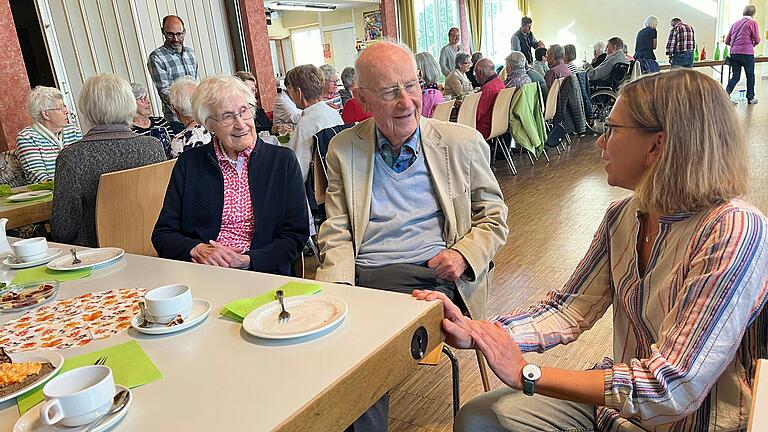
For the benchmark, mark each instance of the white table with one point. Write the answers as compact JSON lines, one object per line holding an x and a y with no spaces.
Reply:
{"x":217,"y":377}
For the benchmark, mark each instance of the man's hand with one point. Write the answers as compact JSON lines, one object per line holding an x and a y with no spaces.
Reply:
{"x":449,"y":264}
{"x":281,"y":129}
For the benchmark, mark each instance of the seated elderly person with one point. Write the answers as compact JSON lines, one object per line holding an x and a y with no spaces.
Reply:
{"x":570,"y":58}
{"x":194,"y":134}
{"x":456,"y":83}
{"x":236,"y":202}
{"x":108,"y":104}
{"x":305,"y":87}
{"x":353,"y":112}
{"x":429,"y":72}
{"x":599,"y":53}
{"x":38,"y":145}
{"x":331,"y":94}
{"x":490,"y":86}
{"x":284,"y":111}
{"x":144,"y":123}
{"x":348,"y":81}
{"x":614,"y":55}
{"x":540,"y":61}
{"x":261,"y":119}
{"x":557,"y":66}
{"x":476,"y":56}
{"x":517,"y":76}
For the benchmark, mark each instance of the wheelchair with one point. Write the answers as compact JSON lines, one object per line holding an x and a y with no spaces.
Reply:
{"x":603,"y":95}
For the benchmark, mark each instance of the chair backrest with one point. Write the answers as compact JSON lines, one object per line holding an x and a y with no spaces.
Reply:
{"x":618,"y":73}
{"x":127,"y":206}
{"x":500,"y":114}
{"x":758,"y":415}
{"x":317,"y":165}
{"x":468,"y":110}
{"x":554,"y":91}
{"x":443,"y":110}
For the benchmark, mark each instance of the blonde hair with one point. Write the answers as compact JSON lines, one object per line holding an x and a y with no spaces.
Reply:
{"x":214,"y":90}
{"x":704,"y":159}
{"x":107,"y":99}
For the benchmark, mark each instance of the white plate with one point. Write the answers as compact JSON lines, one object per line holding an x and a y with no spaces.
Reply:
{"x":310,"y":314}
{"x":200,"y":310}
{"x":48,"y":356}
{"x":88,"y":257}
{"x":30,"y":421}
{"x":11,"y":262}
{"x":29,"y":196}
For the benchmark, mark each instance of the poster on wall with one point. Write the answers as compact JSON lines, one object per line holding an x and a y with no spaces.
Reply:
{"x":372,"y":21}
{"x":327,"y":51}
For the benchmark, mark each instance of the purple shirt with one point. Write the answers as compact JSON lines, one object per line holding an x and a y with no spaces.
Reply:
{"x":558,"y":71}
{"x":429,"y":99}
{"x":743,"y":37}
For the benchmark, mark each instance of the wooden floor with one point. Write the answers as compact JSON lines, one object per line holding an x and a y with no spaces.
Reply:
{"x":554,"y":209}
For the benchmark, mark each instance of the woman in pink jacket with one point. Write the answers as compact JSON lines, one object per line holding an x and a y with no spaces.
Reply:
{"x":742,"y":38}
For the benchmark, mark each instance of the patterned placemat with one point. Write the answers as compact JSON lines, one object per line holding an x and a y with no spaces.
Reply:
{"x":72,"y":322}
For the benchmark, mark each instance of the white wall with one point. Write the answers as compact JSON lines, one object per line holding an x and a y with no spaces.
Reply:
{"x":582,"y":22}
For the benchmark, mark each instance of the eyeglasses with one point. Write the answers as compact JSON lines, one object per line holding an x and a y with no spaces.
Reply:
{"x":389,"y":94}
{"x":228,"y":118}
{"x":61,"y":108}
{"x":609,"y":127}
{"x":144,"y":99}
{"x":177,"y":35}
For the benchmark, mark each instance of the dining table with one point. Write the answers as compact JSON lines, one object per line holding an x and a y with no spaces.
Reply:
{"x":216,"y":376}
{"x":26,"y":212}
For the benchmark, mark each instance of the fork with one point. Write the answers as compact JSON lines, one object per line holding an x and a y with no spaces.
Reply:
{"x":74,"y":255}
{"x":101,"y":361}
{"x":284,"y":314}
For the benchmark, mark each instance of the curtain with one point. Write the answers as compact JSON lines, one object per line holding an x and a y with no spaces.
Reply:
{"x":407,"y":19}
{"x":522,"y":5}
{"x":475,"y":9}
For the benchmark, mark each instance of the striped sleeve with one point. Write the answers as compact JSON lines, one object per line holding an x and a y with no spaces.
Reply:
{"x":565,"y":314}
{"x":33,"y":157}
{"x":721,"y":288}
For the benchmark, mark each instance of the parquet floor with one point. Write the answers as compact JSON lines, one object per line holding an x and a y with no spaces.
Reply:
{"x":554,"y":209}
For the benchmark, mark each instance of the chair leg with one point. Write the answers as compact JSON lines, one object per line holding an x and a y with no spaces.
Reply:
{"x":495,"y":147}
{"x":313,"y":245}
{"x":483,"y":371}
{"x":530,"y":157}
{"x":508,"y":157}
{"x":455,"y":378}
{"x":545,"y":154}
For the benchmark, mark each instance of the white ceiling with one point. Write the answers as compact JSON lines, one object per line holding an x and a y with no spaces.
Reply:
{"x":340,"y":4}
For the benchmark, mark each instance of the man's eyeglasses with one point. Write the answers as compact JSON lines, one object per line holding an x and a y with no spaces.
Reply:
{"x":391,"y":93}
{"x":609,"y":127}
{"x":177,"y":35}
{"x":228,"y":118}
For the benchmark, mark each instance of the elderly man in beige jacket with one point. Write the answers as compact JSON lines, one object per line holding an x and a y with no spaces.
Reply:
{"x":411,"y":202}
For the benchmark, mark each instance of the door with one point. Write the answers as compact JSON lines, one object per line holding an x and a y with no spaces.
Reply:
{"x":344,"y":52}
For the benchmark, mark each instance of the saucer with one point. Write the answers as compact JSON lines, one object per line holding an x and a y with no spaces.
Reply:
{"x":30,"y":421}
{"x":200,"y":310}
{"x":29,"y":196}
{"x":11,"y":261}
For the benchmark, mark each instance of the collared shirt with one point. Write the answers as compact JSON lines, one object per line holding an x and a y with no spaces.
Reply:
{"x":559,"y":70}
{"x":681,"y":39}
{"x":165,"y":64}
{"x":38,"y":148}
{"x":448,"y":58}
{"x":405,"y":157}
{"x":237,"y":223}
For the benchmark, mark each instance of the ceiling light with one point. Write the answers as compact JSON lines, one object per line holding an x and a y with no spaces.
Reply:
{"x":304,"y":6}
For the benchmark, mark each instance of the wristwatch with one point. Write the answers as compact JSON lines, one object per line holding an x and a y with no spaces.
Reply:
{"x":531,"y":374}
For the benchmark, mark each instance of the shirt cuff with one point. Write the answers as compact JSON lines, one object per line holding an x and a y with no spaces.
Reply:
{"x":618,"y":386}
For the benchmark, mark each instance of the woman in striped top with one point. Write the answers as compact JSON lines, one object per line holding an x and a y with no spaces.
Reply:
{"x":682,"y":261}
{"x":39,"y":145}
{"x":145,"y":124}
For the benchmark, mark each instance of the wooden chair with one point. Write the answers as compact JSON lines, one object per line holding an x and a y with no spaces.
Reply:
{"x":758,"y":415}
{"x":443,"y":110}
{"x":468,"y":110}
{"x":500,"y":126}
{"x":127,"y":206}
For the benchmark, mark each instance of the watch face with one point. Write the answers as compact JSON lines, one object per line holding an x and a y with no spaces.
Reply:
{"x":531,"y":372}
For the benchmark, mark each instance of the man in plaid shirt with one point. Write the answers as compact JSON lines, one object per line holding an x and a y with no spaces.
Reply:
{"x":170,"y":61}
{"x":680,"y":44}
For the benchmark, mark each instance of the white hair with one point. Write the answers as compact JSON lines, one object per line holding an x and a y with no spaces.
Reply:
{"x":42,"y":98}
{"x":516,"y":60}
{"x":107,"y":99}
{"x":180,"y":93}
{"x":599,"y":47}
{"x":329,"y":72}
{"x":652,"y":21}
{"x":139,"y":91}
{"x":214,"y":90}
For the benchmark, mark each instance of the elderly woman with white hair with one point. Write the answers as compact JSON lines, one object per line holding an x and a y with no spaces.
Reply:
{"x":599,"y":53}
{"x":645,"y":43}
{"x":39,"y":144}
{"x":331,"y":94}
{"x":429,"y":73}
{"x":516,"y":70}
{"x":456,"y":83}
{"x":194,"y":134}
{"x":108,"y":105}
{"x":236,"y":202}
{"x":144,"y":123}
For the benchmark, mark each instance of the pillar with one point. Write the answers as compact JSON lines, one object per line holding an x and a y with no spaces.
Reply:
{"x":257,"y":50}
{"x":14,"y":85}
{"x":388,"y":19}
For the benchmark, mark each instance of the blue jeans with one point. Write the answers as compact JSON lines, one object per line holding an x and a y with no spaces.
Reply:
{"x":682,"y":59}
{"x":747,"y":62}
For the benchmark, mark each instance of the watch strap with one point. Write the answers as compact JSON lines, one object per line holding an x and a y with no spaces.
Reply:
{"x":528,"y":386}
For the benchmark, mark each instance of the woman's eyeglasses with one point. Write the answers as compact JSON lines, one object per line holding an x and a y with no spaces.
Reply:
{"x":228,"y":118}
{"x":609,"y":127}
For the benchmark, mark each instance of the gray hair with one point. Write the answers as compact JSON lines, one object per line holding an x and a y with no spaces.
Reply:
{"x":570,"y":52}
{"x":599,"y":47}
{"x":348,"y":77}
{"x":427,"y":65}
{"x":516,"y":60}
{"x":214,"y":90}
{"x":461,"y":57}
{"x":139,"y":91}
{"x":329,"y":72}
{"x":477,"y":55}
{"x":40,"y":99}
{"x":107,"y":99}
{"x":180,"y":93}
{"x":652,"y":21}
{"x":557,"y":51}
{"x":749,"y":10}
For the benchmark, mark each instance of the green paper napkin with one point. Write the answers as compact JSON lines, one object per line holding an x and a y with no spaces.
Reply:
{"x":5,"y":189}
{"x":46,"y":185}
{"x":238,"y":309}
{"x":131,"y":367}
{"x":42,"y":273}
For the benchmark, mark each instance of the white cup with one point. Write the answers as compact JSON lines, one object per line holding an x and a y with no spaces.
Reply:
{"x":30,"y":249}
{"x":165,"y":302}
{"x":78,"y":397}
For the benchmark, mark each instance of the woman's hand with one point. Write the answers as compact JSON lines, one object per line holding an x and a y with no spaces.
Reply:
{"x":234,"y":258}
{"x":281,"y":129}
{"x":209,"y":255}
{"x":455,"y":324}
{"x":501,"y":351}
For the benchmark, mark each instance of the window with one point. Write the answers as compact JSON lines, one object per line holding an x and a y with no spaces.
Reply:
{"x":307,"y":48}
{"x":433,"y":20}
{"x":501,"y":19}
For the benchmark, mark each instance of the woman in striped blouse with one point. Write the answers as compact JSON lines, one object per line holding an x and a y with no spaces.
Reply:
{"x":145,"y":124}
{"x":39,"y":145}
{"x":682,"y":261}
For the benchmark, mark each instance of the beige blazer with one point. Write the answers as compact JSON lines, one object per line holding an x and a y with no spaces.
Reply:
{"x":458,"y":160}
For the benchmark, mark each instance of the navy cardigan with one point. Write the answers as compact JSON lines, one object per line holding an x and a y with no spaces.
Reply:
{"x":194,"y":203}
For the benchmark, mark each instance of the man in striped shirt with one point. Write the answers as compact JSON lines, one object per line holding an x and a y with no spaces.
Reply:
{"x":38,"y":145}
{"x":680,"y":44}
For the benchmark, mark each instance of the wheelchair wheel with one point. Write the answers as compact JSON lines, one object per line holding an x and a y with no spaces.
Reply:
{"x":602,"y":104}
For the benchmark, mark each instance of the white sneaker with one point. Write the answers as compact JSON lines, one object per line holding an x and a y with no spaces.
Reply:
{"x":753,"y":101}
